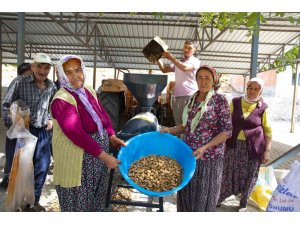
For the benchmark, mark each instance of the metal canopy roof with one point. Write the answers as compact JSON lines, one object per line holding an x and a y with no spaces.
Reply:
{"x":117,"y":39}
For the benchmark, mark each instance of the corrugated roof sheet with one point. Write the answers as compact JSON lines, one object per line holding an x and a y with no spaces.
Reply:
{"x":120,"y":38}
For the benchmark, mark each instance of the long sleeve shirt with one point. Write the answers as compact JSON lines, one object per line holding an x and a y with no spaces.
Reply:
{"x":37,"y":100}
{"x":247,"y":109}
{"x":78,"y":125}
{"x":215,"y":119}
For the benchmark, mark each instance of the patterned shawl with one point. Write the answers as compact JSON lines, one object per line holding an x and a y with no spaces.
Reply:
{"x":200,"y":110}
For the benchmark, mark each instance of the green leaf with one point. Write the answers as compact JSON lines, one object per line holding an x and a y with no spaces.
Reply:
{"x":291,"y":19}
{"x":281,"y":14}
{"x":158,"y":15}
{"x":262,"y":19}
{"x":252,"y":19}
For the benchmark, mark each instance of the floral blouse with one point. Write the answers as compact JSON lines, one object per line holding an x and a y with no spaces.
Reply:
{"x":215,"y":119}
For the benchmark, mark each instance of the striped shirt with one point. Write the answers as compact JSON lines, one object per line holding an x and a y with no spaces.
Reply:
{"x":37,"y":100}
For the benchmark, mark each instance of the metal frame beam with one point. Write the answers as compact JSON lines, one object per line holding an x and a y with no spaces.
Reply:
{"x":21,"y":38}
{"x":84,"y":43}
{"x":1,"y":24}
{"x":297,"y":72}
{"x":254,"y":51}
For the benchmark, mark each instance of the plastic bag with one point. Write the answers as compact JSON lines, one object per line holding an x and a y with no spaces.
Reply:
{"x":264,"y":187}
{"x":286,"y":196}
{"x":21,"y":180}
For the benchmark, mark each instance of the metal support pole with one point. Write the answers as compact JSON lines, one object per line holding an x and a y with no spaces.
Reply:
{"x":244,"y":88}
{"x":54,"y":76}
{"x":295,"y":92}
{"x":21,"y":38}
{"x":95,"y":61}
{"x":0,"y":67}
{"x":254,"y":51}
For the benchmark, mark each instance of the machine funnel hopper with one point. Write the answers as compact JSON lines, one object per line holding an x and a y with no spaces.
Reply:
{"x":145,"y":87}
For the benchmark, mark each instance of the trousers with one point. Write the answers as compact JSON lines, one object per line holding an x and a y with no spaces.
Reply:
{"x":41,"y":159}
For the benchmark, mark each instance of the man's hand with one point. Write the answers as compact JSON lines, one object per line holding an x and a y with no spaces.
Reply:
{"x":49,"y":125}
{"x":167,"y":55}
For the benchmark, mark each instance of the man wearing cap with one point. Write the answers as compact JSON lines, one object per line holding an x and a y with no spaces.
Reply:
{"x":185,"y":80}
{"x":36,"y":91}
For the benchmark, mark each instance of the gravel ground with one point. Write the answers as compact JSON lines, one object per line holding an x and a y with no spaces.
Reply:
{"x":281,"y":134}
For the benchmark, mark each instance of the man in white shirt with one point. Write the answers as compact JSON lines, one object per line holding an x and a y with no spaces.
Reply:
{"x":185,"y":77}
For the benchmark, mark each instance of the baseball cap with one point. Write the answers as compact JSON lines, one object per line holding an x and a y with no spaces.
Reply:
{"x":42,"y":58}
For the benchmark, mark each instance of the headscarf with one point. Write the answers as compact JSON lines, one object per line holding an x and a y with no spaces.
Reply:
{"x":259,"y":98}
{"x":203,"y":105}
{"x":65,"y":83}
{"x":216,"y":77}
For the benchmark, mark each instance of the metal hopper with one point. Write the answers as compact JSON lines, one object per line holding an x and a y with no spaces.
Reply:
{"x":145,"y":87}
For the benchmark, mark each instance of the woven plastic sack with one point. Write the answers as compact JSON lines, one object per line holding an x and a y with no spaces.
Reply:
{"x":264,"y":187}
{"x":286,"y":197}
{"x":21,"y":181}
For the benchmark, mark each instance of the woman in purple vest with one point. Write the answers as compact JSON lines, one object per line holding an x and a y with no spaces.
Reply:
{"x":249,"y":145}
{"x":206,"y":126}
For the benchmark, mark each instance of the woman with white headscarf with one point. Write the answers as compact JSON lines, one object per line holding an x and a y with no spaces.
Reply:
{"x":249,"y":145}
{"x":82,"y":131}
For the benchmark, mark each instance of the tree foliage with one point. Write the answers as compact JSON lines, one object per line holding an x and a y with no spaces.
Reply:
{"x":235,"y":20}
{"x":288,"y":59}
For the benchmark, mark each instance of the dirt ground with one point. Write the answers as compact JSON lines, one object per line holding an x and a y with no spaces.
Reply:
{"x":282,"y":142}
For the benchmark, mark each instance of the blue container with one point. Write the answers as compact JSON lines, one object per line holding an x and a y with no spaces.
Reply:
{"x":158,"y":144}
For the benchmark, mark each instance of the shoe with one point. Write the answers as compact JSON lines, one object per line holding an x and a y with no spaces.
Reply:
{"x":4,"y":183}
{"x":38,"y":208}
{"x":25,"y":208}
{"x":243,"y":209}
{"x":51,"y":168}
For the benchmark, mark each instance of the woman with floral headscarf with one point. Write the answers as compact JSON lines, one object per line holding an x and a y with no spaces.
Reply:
{"x":206,"y":126}
{"x":249,"y":145}
{"x":82,"y":131}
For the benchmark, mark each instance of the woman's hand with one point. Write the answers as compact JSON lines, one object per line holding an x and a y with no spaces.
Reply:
{"x":266,"y":157}
{"x":199,"y":152}
{"x":116,"y":142}
{"x":173,"y":130}
{"x":110,"y":161}
{"x":166,"y":130}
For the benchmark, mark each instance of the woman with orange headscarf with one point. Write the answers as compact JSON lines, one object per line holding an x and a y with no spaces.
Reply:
{"x":206,"y":126}
{"x":249,"y":145}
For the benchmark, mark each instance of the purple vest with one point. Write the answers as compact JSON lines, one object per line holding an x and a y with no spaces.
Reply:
{"x":252,"y":127}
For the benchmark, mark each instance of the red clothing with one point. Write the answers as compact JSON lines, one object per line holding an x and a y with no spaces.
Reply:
{"x":78,"y":125}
